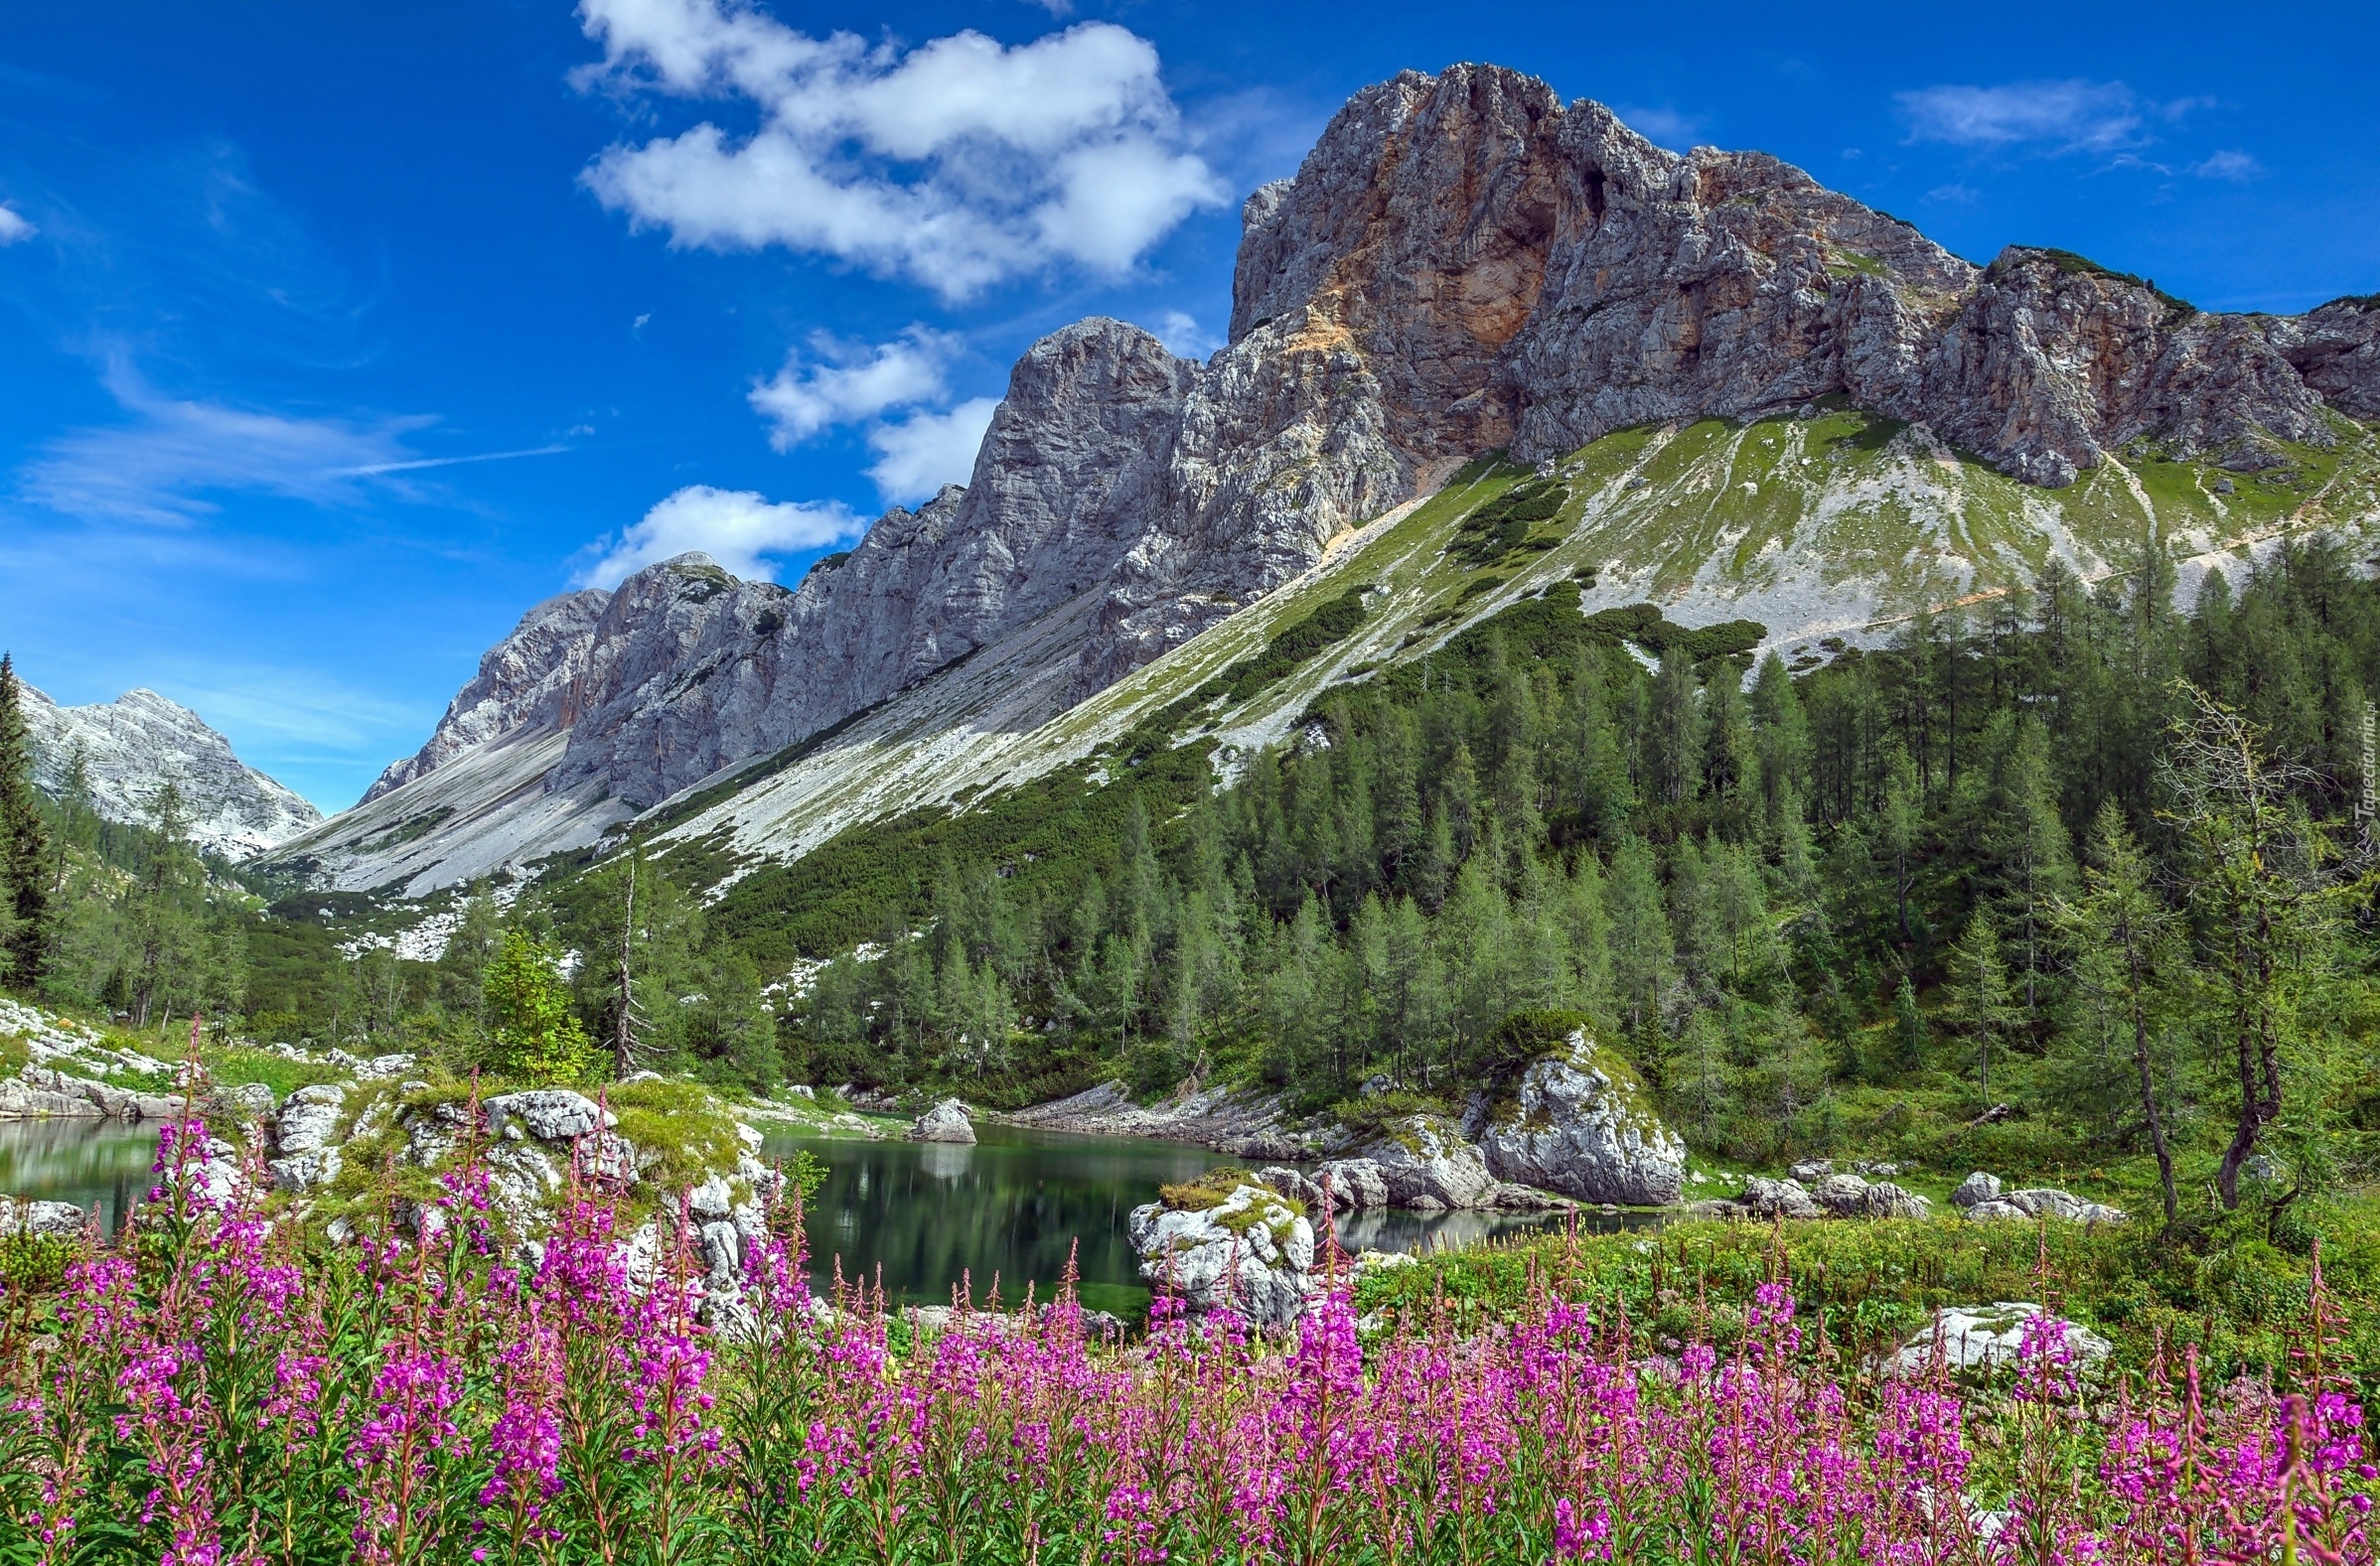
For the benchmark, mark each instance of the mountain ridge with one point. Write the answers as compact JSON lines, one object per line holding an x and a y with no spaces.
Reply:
{"x":133,"y":744}
{"x":1464,"y":263}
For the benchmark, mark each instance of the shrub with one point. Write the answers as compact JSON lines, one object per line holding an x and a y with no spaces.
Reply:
{"x":1370,"y":1119}
{"x":536,"y":1037}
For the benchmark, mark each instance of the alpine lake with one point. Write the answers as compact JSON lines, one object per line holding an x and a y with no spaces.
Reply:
{"x":919,"y":1220}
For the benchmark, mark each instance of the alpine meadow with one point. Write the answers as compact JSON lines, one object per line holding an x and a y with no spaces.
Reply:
{"x":1649,"y":872}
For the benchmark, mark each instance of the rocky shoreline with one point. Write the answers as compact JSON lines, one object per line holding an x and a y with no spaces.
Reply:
{"x":1577,"y":1129}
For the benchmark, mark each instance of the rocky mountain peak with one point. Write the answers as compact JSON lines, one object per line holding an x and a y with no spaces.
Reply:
{"x":1463,"y":263}
{"x":131,"y":747}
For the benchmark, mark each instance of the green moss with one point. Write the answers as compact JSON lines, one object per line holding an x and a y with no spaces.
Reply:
{"x":1855,"y":264}
{"x":233,"y":1064}
{"x":684,"y":1133}
{"x":1210,"y":1190}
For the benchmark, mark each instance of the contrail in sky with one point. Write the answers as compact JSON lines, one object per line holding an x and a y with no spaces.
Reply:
{"x":447,"y":462}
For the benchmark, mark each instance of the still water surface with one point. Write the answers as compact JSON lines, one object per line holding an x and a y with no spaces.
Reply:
{"x":80,"y":1161}
{"x":930,"y":1215}
{"x":921,"y":1217}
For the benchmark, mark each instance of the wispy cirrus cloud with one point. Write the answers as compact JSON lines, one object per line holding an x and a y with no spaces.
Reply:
{"x":2228,"y":165}
{"x":175,"y":459}
{"x":2073,"y":116}
{"x":959,"y":164}
{"x":14,"y":226}
{"x":172,"y":459}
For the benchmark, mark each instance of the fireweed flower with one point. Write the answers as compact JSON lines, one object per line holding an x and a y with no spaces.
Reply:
{"x":581,"y":1407}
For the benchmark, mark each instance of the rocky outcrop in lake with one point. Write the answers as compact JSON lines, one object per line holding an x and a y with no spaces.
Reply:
{"x":1251,"y":1251}
{"x":947,"y":1121}
{"x":1581,"y":1123}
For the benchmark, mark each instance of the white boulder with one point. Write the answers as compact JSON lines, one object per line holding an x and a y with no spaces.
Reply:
{"x":1251,"y":1252}
{"x":1583,"y":1124}
{"x":1426,"y":1164}
{"x":549,"y":1114}
{"x":1979,"y":1338}
{"x":945,"y":1122}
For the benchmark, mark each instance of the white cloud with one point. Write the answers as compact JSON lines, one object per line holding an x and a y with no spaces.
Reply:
{"x":1963,"y":195}
{"x":736,"y":527}
{"x":14,"y":226}
{"x":1666,"y":126}
{"x":850,"y":382}
{"x":924,"y":452}
{"x":959,"y":164}
{"x":2227,"y":166}
{"x":2064,"y":116}
{"x":161,"y":467}
{"x":1181,"y":333}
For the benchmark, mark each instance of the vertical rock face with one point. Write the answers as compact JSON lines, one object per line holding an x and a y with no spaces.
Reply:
{"x":132,"y":745}
{"x":1463,"y":262}
{"x":528,"y":679}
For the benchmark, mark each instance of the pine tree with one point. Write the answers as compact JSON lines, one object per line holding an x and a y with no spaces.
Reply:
{"x":2120,"y":936}
{"x":536,"y":1037}
{"x":1674,"y":732}
{"x":1981,"y":1001}
{"x":2265,"y":907}
{"x":1643,"y":950}
{"x":26,"y":876}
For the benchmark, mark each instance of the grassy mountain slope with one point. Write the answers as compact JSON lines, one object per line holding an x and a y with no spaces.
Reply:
{"x":1832,"y":526}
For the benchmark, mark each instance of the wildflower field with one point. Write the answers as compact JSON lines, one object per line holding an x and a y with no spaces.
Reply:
{"x":221,"y":1388}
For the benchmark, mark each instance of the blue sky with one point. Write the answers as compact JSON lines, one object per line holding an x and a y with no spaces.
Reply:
{"x":337,"y":335}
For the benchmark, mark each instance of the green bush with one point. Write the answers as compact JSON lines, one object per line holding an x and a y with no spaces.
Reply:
{"x":31,"y":1264}
{"x":1370,"y":1118}
{"x":538,"y":1038}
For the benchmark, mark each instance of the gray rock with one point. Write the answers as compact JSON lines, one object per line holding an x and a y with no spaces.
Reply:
{"x":128,"y":744}
{"x":1976,"y":1339}
{"x":1842,"y":1195}
{"x":1978,"y":1187}
{"x":947,"y":1121}
{"x":1292,"y":1183}
{"x":549,"y":1114}
{"x":249,"y":1103}
{"x":1356,"y":1183}
{"x":1716,"y":1208}
{"x":1997,"y":1212}
{"x":1778,"y":1199}
{"x":48,"y":1219}
{"x":295,"y":1174}
{"x":1250,"y":1253}
{"x":1889,"y":1201}
{"x":1582,"y":1125}
{"x":712,"y":1200}
{"x":1811,"y":1171}
{"x":1426,"y":1164}
{"x":310,"y":1119}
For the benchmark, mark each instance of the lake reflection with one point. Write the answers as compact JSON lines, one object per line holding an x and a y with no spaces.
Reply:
{"x":80,"y":1161}
{"x":924,"y":1215}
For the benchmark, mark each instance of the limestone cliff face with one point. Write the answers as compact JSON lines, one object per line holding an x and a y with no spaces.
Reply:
{"x":529,"y":679}
{"x":1463,"y":262}
{"x":130,"y":748}
{"x":1518,"y":272}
